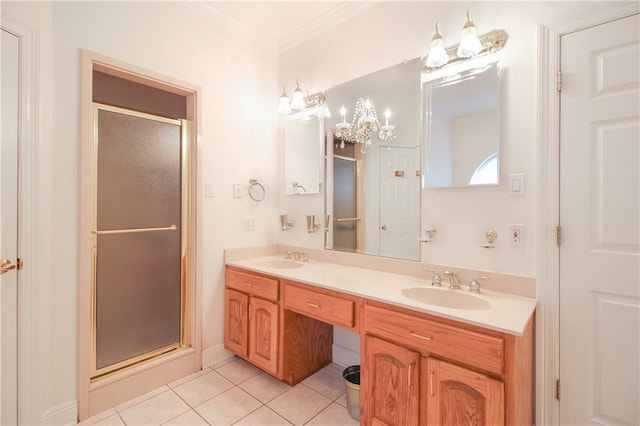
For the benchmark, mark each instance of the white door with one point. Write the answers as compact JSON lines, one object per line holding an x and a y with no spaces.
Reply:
{"x":9,"y":230}
{"x":399,"y":202}
{"x":600,"y":220}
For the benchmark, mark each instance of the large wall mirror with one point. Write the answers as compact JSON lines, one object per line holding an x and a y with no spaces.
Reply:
{"x":373,"y":190}
{"x":447,"y":126}
{"x":462,"y":127}
{"x":303,"y":136}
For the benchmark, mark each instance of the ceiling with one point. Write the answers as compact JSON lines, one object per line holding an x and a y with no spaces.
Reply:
{"x":287,"y":23}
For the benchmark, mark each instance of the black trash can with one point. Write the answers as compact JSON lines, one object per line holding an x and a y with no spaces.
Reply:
{"x":351,"y":376}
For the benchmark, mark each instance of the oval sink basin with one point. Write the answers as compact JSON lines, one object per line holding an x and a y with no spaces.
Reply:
{"x":446,"y":298}
{"x":280,"y":264}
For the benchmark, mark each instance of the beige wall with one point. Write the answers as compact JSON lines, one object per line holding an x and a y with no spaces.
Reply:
{"x":237,"y":142}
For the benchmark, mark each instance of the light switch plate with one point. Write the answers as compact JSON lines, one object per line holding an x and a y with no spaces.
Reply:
{"x":249,"y":223}
{"x":236,"y":191}
{"x":516,"y":184}
{"x":209,"y":189}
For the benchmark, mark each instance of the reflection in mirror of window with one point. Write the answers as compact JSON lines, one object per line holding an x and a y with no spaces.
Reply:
{"x":487,"y":172}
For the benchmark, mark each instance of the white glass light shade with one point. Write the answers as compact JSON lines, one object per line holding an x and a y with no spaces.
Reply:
{"x":297,"y":102}
{"x":437,"y":55}
{"x":284,"y":107}
{"x":469,"y":44}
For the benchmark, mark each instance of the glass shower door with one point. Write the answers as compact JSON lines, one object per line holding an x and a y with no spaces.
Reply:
{"x":139,"y":234}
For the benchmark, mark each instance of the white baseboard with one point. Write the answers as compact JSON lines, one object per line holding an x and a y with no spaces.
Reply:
{"x":65,"y":413}
{"x":344,"y":357}
{"x":214,"y":355}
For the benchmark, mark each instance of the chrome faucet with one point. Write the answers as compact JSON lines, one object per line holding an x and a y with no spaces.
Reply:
{"x":453,"y":281}
{"x":287,"y":254}
{"x":436,"y":280}
{"x":474,"y":285}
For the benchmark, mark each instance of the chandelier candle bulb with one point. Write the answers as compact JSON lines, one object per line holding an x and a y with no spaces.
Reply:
{"x":387,"y":115}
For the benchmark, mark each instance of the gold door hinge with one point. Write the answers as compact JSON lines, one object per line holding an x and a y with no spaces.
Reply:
{"x":558,"y":390}
{"x":558,"y":235}
{"x":559,"y":81}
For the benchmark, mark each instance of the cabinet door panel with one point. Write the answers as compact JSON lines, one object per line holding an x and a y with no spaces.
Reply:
{"x":458,"y":396}
{"x":390,"y":382}
{"x":263,"y":331}
{"x":235,"y":325}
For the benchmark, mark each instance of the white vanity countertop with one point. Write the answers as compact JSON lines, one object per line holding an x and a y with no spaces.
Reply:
{"x":508,"y":313}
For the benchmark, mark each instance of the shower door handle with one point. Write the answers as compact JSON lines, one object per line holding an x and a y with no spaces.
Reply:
{"x":133,"y":230}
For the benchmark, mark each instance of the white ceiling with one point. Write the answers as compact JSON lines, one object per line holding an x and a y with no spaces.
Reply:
{"x":287,"y":23}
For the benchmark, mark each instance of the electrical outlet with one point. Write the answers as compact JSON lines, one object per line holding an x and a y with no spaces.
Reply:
{"x":516,"y":234}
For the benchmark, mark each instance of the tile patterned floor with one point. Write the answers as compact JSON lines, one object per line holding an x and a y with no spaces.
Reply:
{"x":234,"y":392}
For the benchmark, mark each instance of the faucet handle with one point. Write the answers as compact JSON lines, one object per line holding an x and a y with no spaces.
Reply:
{"x":474,"y":285}
{"x":287,"y":254}
{"x":436,"y":280}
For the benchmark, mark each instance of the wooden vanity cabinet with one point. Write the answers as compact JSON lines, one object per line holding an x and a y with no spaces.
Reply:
{"x":459,"y":396}
{"x":252,"y":321}
{"x":391,"y":372}
{"x":467,"y":375}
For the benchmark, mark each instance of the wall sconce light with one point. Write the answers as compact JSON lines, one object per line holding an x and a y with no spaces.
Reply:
{"x":299,"y":101}
{"x":438,"y":56}
{"x":363,"y":124}
{"x":471,"y":45}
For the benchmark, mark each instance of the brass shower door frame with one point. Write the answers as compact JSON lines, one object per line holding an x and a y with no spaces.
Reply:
{"x":185,"y":214}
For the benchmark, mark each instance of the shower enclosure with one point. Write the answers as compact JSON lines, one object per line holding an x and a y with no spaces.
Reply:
{"x":139,"y":237}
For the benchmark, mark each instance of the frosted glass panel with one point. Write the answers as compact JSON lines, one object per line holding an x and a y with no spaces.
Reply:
{"x":138,"y":281}
{"x":344,"y":205}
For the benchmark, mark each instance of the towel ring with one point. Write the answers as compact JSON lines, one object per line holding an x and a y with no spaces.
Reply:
{"x":256,"y":190}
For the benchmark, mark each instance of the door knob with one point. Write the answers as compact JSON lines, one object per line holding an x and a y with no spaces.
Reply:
{"x":383,"y":227}
{"x":6,"y":265}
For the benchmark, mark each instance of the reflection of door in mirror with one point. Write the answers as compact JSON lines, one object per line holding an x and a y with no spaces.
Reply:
{"x":399,"y":202}
{"x":345,"y":221}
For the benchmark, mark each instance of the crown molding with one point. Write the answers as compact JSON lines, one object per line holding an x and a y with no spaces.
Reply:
{"x":342,"y":12}
{"x":228,"y":22}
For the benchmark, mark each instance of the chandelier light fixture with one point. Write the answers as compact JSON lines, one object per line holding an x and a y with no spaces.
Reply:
{"x":299,"y":101}
{"x":471,"y":45}
{"x":363,"y":124}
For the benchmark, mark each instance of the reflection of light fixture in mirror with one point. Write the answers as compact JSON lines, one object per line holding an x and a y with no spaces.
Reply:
{"x":438,"y":56}
{"x":364,"y":123}
{"x":469,"y":44}
{"x":299,"y":101}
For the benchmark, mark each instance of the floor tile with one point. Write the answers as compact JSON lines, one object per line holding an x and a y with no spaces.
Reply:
{"x":225,"y":361}
{"x":98,"y":417}
{"x":299,"y":404}
{"x":227,"y":408}
{"x":202,"y":388}
{"x":342,"y":399}
{"x":264,"y":387}
{"x":334,"y":414}
{"x":138,"y":400}
{"x":155,"y":410}
{"x":190,"y":377}
{"x":190,"y":418}
{"x":328,"y":382}
{"x":263,"y":416}
{"x":238,"y":371}
{"x":112,"y":420}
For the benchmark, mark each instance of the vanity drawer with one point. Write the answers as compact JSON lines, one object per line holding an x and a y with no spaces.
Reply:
{"x":324,"y":307}
{"x":256,"y":285}
{"x":464,"y":346}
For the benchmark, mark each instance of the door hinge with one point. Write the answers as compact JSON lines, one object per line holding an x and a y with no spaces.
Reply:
{"x":558,"y":235}
{"x":559,"y":81}
{"x":558,"y":390}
